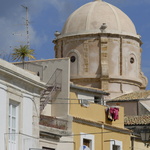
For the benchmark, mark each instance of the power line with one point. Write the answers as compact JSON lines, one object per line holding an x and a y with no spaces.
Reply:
{"x":141,"y":99}
{"x":90,"y":101}
{"x":88,"y":133}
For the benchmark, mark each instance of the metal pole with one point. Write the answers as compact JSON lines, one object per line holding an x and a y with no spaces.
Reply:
{"x":27,"y":26}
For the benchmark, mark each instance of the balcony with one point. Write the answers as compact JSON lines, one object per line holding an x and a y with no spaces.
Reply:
{"x":53,"y":122}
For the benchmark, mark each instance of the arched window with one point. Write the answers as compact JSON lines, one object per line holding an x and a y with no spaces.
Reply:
{"x":38,"y":74}
{"x":132,"y":68}
{"x":74,"y":62}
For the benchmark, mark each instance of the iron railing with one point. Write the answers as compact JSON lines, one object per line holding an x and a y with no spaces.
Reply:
{"x":53,"y":85}
{"x":56,"y":78}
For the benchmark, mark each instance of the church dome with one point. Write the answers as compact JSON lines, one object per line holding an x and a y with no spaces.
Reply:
{"x":89,"y":18}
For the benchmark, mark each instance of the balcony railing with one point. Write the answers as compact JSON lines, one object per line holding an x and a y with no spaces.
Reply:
{"x":56,"y":79}
{"x":53,"y":122}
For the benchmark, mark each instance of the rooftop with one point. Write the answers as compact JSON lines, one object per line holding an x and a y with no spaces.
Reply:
{"x":40,"y":60}
{"x":143,"y":94}
{"x":90,"y":89}
{"x":90,"y":17}
{"x":137,"y":120}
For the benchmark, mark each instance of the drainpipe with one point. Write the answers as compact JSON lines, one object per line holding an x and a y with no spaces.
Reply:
{"x":102,"y":136}
{"x":132,"y":142}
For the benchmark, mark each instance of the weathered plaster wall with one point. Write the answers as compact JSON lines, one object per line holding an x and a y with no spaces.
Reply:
{"x":94,"y":112}
{"x":102,"y":137}
{"x":21,"y":88}
{"x":104,"y":61}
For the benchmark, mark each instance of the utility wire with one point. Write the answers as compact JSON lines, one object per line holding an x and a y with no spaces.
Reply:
{"x":142,"y":99}
{"x":87,"y":133}
{"x":62,"y":135}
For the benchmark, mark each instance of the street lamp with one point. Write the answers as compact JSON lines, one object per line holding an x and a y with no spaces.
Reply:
{"x":145,"y":135}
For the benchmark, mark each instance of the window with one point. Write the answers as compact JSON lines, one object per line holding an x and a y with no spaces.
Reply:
{"x":75,"y":66}
{"x":46,"y":148}
{"x":131,"y":60}
{"x":99,"y":100}
{"x":72,"y":59}
{"x":87,"y":141}
{"x":38,"y":73}
{"x":116,"y":147}
{"x":13,"y":126}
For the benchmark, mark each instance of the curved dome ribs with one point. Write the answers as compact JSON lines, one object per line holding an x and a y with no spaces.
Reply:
{"x":89,"y":17}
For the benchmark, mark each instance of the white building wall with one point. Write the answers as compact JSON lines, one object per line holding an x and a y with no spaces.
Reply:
{"x":3,"y":112}
{"x":58,"y":107}
{"x":28,"y":140}
{"x":22,"y":89}
{"x":66,"y":143}
{"x":27,"y":114}
{"x":50,"y":67}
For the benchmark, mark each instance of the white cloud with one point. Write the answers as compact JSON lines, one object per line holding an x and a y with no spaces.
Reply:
{"x":36,"y":40}
{"x":7,"y":39}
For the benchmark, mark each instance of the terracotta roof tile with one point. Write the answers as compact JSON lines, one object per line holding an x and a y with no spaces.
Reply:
{"x":134,"y":95}
{"x":137,"y":120}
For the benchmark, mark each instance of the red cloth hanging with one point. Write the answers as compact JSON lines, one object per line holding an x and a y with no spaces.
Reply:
{"x":113,"y":113}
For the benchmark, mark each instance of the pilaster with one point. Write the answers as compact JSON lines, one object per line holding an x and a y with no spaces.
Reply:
{"x":104,"y":63}
{"x":86,"y":56}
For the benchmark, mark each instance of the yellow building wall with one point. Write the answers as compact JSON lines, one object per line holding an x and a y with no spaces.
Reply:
{"x":102,"y":137}
{"x":94,"y":112}
{"x":139,"y":145}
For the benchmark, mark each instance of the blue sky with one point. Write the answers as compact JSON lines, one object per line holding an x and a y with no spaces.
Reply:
{"x":48,"y":16}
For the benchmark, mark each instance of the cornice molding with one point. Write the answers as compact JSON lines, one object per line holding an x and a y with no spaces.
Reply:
{"x":96,"y":35}
{"x":20,"y":76}
{"x":101,"y":125}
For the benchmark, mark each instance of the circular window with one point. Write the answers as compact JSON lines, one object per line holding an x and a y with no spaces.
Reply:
{"x":72,"y":59}
{"x":131,"y":60}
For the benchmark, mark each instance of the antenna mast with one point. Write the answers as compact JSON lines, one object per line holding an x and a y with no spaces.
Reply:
{"x":27,"y":26}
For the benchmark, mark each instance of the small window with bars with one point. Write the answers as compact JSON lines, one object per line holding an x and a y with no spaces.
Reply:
{"x":115,"y":147}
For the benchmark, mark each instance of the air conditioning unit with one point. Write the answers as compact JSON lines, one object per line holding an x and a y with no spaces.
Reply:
{"x":84,"y":103}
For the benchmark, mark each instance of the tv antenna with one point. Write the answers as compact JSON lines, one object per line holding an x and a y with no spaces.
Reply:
{"x":27,"y":26}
